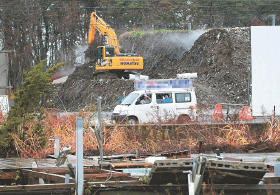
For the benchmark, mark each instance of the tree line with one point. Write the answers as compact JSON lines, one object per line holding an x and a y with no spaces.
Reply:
{"x":33,"y":30}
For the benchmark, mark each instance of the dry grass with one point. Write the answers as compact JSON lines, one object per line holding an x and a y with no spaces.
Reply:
{"x":64,"y":127}
{"x":27,"y":141}
{"x":148,"y":139}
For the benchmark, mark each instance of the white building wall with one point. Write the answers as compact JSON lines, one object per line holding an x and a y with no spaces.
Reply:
{"x":265,"y":46}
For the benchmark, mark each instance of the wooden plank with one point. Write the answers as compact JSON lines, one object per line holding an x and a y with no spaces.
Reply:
{"x":16,"y":163}
{"x":37,"y":187}
{"x":8,"y":175}
{"x":49,"y":177}
{"x":114,"y":183}
{"x":63,"y":171}
{"x":269,"y":178}
{"x":131,"y":165}
{"x":241,"y":187}
{"x":120,"y":156}
{"x":106,"y":175}
{"x":96,"y":171}
{"x":54,"y":170}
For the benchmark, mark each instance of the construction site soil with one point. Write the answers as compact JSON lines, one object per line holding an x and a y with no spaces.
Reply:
{"x":221,"y":58}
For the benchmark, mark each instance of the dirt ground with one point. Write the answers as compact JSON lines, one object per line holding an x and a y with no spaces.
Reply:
{"x":221,"y":57}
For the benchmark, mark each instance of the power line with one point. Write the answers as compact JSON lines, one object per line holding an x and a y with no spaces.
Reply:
{"x":132,"y":9}
{"x":148,"y":7}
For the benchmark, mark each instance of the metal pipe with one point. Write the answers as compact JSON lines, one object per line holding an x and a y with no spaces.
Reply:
{"x":56,"y":147}
{"x":99,"y":130}
{"x":189,"y":26}
{"x":79,"y":177}
{"x":67,"y":177}
{"x":273,"y":22}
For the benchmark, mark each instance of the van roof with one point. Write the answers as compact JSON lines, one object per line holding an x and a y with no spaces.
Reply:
{"x":166,"y":90}
{"x":162,"y":84}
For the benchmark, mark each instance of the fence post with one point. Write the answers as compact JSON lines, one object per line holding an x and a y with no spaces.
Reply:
{"x":98,"y":132}
{"x":56,"y":147}
{"x":79,"y":160}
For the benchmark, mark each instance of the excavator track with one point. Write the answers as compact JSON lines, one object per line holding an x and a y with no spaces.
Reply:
{"x":111,"y":74}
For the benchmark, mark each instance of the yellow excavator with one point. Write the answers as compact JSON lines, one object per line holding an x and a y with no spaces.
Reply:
{"x":108,"y":55}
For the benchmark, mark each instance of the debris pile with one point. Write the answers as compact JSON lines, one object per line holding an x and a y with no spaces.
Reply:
{"x":221,"y":57}
{"x":161,"y":51}
{"x":80,"y":92}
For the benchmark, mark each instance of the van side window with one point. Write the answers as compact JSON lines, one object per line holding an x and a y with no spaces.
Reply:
{"x":182,"y":97}
{"x":164,"y":98}
{"x":144,"y":99}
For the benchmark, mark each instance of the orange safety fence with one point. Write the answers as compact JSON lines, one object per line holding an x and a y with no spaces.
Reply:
{"x":217,"y":113}
{"x":245,"y":114}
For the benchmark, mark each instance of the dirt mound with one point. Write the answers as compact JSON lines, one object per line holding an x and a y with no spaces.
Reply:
{"x":161,"y":51}
{"x":77,"y":93}
{"x":221,"y":58}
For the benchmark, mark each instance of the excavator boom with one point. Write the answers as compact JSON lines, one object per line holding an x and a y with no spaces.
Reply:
{"x":97,"y":23}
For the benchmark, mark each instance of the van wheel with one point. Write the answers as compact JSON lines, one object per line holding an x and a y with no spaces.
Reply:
{"x":183,"y":119}
{"x":132,"y":120}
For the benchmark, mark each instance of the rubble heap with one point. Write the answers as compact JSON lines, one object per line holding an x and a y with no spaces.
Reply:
{"x":221,"y":57}
{"x":80,"y":91}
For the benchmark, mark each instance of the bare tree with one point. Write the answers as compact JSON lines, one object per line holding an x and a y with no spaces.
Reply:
{"x":35,"y":30}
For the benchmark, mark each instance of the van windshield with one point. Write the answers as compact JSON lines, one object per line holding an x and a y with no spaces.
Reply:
{"x":130,"y":99}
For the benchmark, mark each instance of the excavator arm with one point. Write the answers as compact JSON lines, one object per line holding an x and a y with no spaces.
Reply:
{"x":108,"y":56}
{"x":97,"y":23}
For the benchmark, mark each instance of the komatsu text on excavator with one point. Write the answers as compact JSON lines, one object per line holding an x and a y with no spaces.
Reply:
{"x":108,"y":55}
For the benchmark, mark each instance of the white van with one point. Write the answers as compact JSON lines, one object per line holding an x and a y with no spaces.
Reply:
{"x":161,"y":105}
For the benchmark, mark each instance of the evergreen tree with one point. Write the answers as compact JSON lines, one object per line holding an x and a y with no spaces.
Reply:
{"x":27,"y":104}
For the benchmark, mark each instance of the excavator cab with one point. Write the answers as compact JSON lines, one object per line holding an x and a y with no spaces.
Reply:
{"x":104,"y":51}
{"x":98,"y":53}
{"x":104,"y":54}
{"x":109,"y":51}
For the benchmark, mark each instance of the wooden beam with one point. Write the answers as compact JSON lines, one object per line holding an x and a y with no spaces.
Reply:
{"x":37,"y":187}
{"x":8,"y":175}
{"x":131,"y":165}
{"x":106,"y":176}
{"x":63,"y":171}
{"x":243,"y":187}
{"x":55,"y":170}
{"x":49,"y":177}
